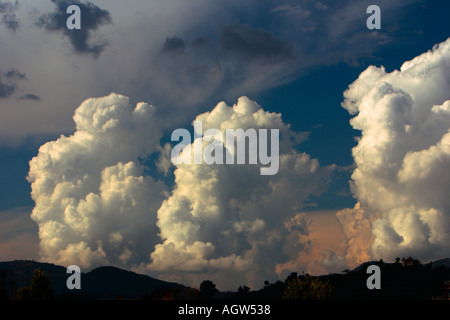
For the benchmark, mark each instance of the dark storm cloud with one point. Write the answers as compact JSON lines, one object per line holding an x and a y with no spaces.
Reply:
{"x":201,"y":42}
{"x":6,"y":89}
{"x":92,"y":17}
{"x":8,"y":85}
{"x":10,"y":21}
{"x":239,"y":59}
{"x":30,"y":96}
{"x":7,"y":7}
{"x":174,"y":45}
{"x":253,"y":44}
{"x":237,"y":43}
{"x":14,"y":74}
{"x":8,"y":17}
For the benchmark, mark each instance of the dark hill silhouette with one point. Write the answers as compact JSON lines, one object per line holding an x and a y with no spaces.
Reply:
{"x":112,"y":282}
{"x":19,"y":273}
{"x":398,"y":282}
{"x":441,"y":262}
{"x":100,"y":283}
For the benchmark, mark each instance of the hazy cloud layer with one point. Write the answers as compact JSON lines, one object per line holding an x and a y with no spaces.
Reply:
{"x":253,"y":45}
{"x":403,"y":157}
{"x":242,"y":60}
{"x":355,"y":224}
{"x":198,"y":52}
{"x":18,"y":234}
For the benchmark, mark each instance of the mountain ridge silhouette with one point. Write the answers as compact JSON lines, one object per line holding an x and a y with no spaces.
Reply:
{"x":104,"y":282}
{"x":420,"y":281}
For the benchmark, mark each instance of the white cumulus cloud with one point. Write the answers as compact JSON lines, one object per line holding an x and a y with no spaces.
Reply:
{"x":231,"y":221}
{"x":93,"y":203}
{"x":402,"y":158}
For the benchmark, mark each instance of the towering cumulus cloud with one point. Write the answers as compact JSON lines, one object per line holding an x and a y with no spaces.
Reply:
{"x":229,"y":221}
{"x":402,"y":174}
{"x":93,"y":203}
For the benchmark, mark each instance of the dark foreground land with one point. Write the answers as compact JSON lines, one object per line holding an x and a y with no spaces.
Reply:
{"x":404,"y":280}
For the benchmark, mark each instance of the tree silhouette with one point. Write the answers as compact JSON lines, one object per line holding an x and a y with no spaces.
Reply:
{"x":3,"y":290}
{"x":243,"y":289}
{"x":23,"y":293}
{"x":41,"y":286}
{"x":306,"y":288}
{"x":12,"y":284}
{"x":243,"y":292}
{"x":292,"y":276}
{"x":208,"y":289}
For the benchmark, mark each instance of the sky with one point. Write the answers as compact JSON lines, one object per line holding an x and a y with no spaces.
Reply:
{"x":86,"y":118}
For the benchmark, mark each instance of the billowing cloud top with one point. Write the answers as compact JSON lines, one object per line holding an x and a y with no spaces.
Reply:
{"x":230,"y":220}
{"x":403,"y":156}
{"x":95,"y":205}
